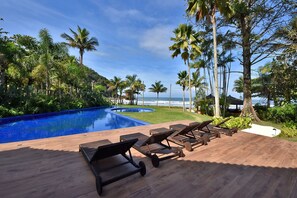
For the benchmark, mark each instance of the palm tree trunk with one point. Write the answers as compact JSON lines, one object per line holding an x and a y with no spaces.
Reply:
{"x":204,"y":73}
{"x":81,"y":53}
{"x":210,"y":81}
{"x":190,"y":90}
{"x":47,"y":84}
{"x":247,"y":81}
{"x":216,"y":90}
{"x":157,"y":99}
{"x":184,"y":108}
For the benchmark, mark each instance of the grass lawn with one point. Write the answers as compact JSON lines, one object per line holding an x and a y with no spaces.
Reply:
{"x":165,"y":114}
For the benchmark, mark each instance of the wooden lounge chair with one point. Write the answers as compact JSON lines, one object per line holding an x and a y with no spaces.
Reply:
{"x":184,"y":136}
{"x":203,"y":129}
{"x":106,"y":158}
{"x":152,"y":146}
{"x":218,"y":128}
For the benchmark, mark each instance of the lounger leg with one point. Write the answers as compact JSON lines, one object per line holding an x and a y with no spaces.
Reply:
{"x":155,"y":160}
{"x":142,"y":168}
{"x":99,"y":185}
{"x":188,"y":146}
{"x":205,"y":139}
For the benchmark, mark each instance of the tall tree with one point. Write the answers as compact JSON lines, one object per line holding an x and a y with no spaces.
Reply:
{"x":198,"y":83}
{"x":186,"y":44}
{"x":257,"y":21}
{"x":182,"y":81}
{"x":207,"y":9}
{"x":158,"y":87}
{"x":81,"y":41}
{"x":113,"y":86}
{"x":131,"y":81}
{"x":122,"y":86}
{"x":139,"y":86}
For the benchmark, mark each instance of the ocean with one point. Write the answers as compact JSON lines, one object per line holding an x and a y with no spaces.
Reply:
{"x":176,"y":102}
{"x":163,"y":101}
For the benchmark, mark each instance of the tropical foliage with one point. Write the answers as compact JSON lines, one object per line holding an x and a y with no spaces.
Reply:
{"x":81,"y":41}
{"x":182,"y":81}
{"x":206,"y":9}
{"x":158,"y":88}
{"x":186,"y":45}
{"x":131,"y":86}
{"x":235,"y":122}
{"x":38,"y":75}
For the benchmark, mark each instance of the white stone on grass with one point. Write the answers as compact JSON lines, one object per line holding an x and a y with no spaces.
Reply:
{"x":268,"y":131}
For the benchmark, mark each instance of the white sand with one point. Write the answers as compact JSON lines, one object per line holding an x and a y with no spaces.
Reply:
{"x":263,"y":130}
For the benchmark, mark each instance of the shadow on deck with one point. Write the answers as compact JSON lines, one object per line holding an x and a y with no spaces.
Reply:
{"x":31,"y":172}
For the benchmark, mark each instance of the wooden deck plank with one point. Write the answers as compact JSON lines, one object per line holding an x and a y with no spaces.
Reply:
{"x":244,"y":165}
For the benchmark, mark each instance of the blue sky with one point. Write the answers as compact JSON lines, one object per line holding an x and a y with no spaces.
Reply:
{"x":134,"y":35}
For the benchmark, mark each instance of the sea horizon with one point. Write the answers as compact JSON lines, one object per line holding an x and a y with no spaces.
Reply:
{"x":176,"y":102}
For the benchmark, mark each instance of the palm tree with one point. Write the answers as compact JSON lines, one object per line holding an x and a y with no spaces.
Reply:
{"x":81,"y":41}
{"x":238,"y":85}
{"x":113,"y":86}
{"x":182,"y":81}
{"x":198,"y":83}
{"x":139,"y":86}
{"x":158,"y":88}
{"x":122,"y":86}
{"x":49,"y":52}
{"x":185,"y":44}
{"x":131,"y":82}
{"x":207,"y":9}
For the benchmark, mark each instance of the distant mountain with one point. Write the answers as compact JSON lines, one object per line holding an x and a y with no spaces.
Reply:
{"x":94,"y":76}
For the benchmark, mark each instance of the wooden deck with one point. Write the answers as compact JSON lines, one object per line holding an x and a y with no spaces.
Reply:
{"x":244,"y":165}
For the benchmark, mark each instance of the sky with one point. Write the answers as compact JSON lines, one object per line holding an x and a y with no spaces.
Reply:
{"x":133,"y":35}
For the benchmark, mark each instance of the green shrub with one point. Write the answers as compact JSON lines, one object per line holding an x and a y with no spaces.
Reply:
{"x":285,"y":113}
{"x":235,"y":122}
{"x":5,"y":112}
{"x":288,"y":132}
{"x":291,"y":125}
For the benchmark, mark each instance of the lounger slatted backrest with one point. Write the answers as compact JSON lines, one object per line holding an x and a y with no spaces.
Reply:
{"x":202,"y":125}
{"x":188,"y":129}
{"x":113,"y":149}
{"x":157,"y":138}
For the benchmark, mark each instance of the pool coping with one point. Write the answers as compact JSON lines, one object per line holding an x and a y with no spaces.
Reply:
{"x":8,"y":120}
{"x":109,"y":110}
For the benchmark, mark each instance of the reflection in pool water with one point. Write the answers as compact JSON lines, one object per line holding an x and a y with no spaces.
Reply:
{"x":81,"y":121}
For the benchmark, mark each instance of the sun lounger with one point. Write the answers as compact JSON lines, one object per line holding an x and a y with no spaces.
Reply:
{"x":218,"y":128}
{"x":203,"y":129}
{"x":152,"y":146}
{"x":184,"y":136}
{"x":109,"y":160}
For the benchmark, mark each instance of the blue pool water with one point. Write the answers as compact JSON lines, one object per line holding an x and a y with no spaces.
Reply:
{"x":64,"y":123}
{"x":121,"y":109}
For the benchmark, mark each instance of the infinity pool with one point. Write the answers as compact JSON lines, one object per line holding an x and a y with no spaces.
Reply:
{"x":63,"y":123}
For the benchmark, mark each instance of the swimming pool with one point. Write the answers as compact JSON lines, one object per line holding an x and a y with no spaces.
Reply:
{"x":63,"y":123}
{"x":140,"y":110}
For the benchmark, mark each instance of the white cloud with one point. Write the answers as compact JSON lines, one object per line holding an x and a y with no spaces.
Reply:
{"x":157,"y":40}
{"x":116,"y":15}
{"x":99,"y":53}
{"x":33,"y":7}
